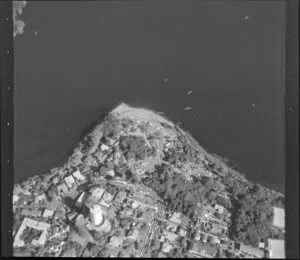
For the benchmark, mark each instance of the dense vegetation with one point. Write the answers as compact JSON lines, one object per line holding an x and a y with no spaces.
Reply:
{"x":253,"y":214}
{"x":178,"y":193}
{"x":252,"y":211}
{"x":30,"y":234}
{"x":134,"y":147}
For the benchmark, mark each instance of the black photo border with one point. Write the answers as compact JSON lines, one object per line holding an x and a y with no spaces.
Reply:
{"x":292,"y":130}
{"x":7,"y":125}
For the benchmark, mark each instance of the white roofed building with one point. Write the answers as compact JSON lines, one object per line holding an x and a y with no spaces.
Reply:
{"x":276,"y":248}
{"x":78,"y":176}
{"x":176,"y":218}
{"x":104,"y":147}
{"x":69,"y":180}
{"x":15,"y":198}
{"x":98,"y":192}
{"x":219,"y":208}
{"x":279,"y":217}
{"x":48,"y":213}
{"x":96,"y":215}
{"x":90,"y":160}
{"x":110,"y":173}
{"x":166,"y":248}
{"x":62,"y":188}
{"x":116,"y":241}
{"x":106,"y":200}
{"x":40,"y":198}
{"x":252,"y":251}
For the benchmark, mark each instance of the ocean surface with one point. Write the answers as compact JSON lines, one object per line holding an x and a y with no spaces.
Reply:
{"x":77,"y":60}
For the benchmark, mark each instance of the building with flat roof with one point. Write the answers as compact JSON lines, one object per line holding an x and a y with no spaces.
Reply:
{"x":35,"y":213}
{"x":15,"y":198}
{"x":41,"y":197}
{"x":78,"y":176}
{"x":32,"y":224}
{"x":70,"y":181}
{"x":121,"y":196}
{"x":176,"y":218}
{"x":106,"y":200}
{"x":135,"y":234}
{"x":62,"y":188}
{"x":110,"y":173}
{"x":279,"y":217}
{"x":252,"y":251}
{"x":96,"y":215}
{"x":276,"y":248}
{"x":116,"y":241}
{"x":48,"y":213}
{"x":97,"y":192}
{"x":219,"y":208}
{"x":104,"y":147}
{"x":90,"y":160}
{"x":166,"y":248}
{"x":172,"y":227}
{"x":170,"y":236}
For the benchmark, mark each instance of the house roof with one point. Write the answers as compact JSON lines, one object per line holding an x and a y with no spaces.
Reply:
{"x":166,"y":248}
{"x":219,"y":208}
{"x":15,"y":198}
{"x":69,"y":179}
{"x":176,"y":218}
{"x":35,"y":212}
{"x":62,"y":187}
{"x":25,"y":212}
{"x":252,"y":250}
{"x":40,"y":197}
{"x":98,"y":192}
{"x":171,"y":226}
{"x":48,"y":213}
{"x":170,"y":236}
{"x":279,"y":217}
{"x":116,"y":241}
{"x":78,"y":175}
{"x":43,"y":225}
{"x":277,"y":248}
{"x":120,"y":196}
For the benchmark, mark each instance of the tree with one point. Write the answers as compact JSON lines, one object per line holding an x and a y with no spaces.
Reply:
{"x":51,"y":193}
{"x":30,"y":234}
{"x":134,"y":147}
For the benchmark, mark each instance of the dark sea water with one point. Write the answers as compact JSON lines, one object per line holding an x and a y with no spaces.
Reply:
{"x":89,"y":56}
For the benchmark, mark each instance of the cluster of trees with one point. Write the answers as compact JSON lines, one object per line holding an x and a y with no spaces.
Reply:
{"x":22,"y":252}
{"x":112,"y":126}
{"x":174,"y":156}
{"x":73,"y":245}
{"x":134,"y":147}
{"x":252,"y":214}
{"x":93,"y":249}
{"x":51,"y":193}
{"x":30,"y":234}
{"x":180,"y":194}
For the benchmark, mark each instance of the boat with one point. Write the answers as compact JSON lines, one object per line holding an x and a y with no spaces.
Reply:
{"x":190,"y":92}
{"x":187,"y":108}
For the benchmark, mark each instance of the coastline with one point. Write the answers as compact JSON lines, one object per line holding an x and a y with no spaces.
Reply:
{"x":123,"y":110}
